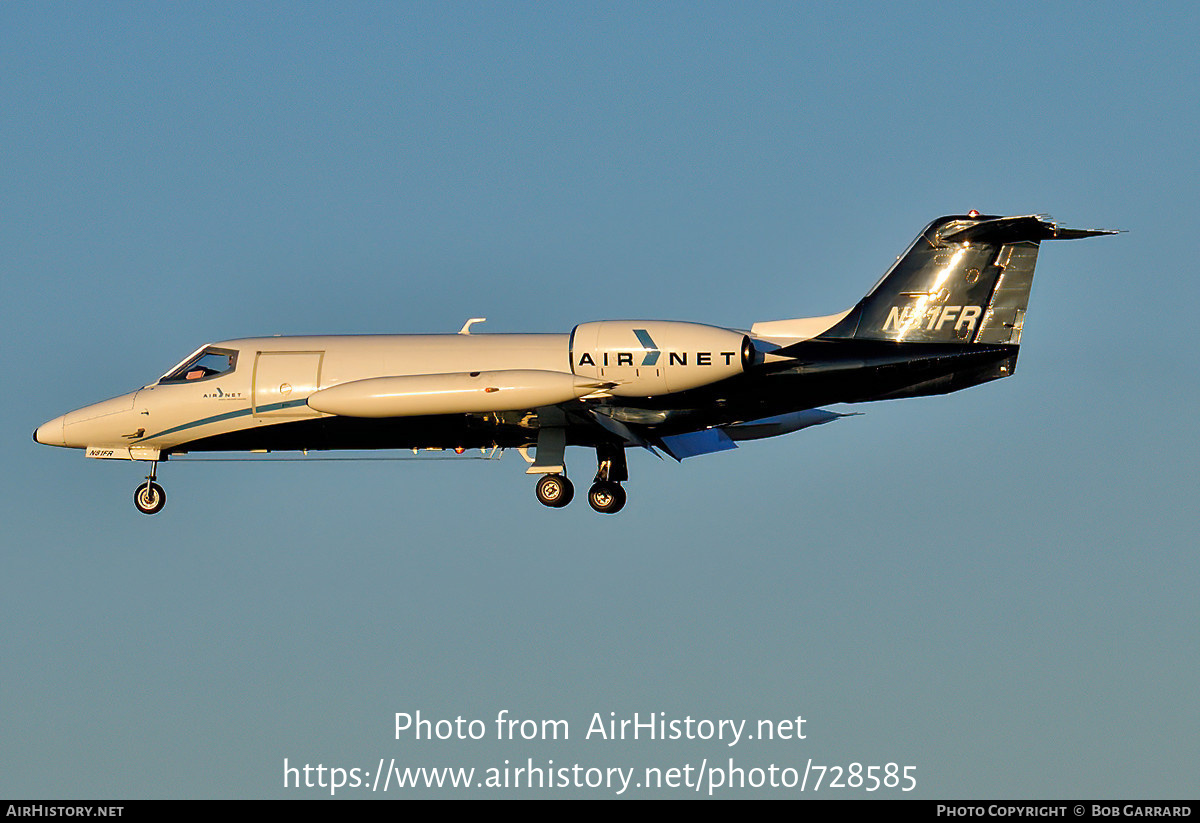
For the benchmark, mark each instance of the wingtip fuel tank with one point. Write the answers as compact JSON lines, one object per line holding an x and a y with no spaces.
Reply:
{"x":459,"y":393}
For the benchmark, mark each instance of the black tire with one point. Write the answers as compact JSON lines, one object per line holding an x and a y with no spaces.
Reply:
{"x":149,"y":498}
{"x":554,"y":490}
{"x":607,"y":497}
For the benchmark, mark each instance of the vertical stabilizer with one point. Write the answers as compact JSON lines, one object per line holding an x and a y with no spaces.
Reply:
{"x":965,"y":279}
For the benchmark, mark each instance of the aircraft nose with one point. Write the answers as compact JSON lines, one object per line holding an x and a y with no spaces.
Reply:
{"x":51,"y":433}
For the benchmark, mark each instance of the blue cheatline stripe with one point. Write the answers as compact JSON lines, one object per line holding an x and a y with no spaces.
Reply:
{"x":227,"y":416}
{"x":647,"y":342}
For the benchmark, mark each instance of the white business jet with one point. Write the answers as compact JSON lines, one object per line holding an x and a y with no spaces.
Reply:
{"x":947,"y":315}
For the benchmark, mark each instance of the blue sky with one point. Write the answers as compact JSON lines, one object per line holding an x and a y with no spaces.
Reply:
{"x":996,"y":587}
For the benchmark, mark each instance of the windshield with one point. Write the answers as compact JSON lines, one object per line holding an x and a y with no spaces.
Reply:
{"x":208,"y":362}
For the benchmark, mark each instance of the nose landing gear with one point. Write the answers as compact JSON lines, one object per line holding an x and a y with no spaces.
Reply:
{"x":149,"y":497}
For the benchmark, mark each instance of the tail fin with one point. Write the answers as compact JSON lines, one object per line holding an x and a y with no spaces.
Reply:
{"x":965,"y":279}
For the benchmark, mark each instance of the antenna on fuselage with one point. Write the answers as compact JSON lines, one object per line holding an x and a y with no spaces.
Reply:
{"x":466,"y":329}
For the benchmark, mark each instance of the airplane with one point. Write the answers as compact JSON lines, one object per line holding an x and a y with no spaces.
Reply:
{"x":947,"y":315}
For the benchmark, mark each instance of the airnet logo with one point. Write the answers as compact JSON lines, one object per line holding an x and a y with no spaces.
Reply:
{"x":651,"y":347}
{"x":652,"y":355}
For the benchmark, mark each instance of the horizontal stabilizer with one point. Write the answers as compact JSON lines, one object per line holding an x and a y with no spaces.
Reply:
{"x":1026,"y":228}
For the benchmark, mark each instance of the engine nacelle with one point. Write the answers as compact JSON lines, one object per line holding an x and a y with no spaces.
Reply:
{"x":652,"y":357}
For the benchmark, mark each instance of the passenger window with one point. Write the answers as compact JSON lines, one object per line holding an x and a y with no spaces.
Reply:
{"x":208,"y":363}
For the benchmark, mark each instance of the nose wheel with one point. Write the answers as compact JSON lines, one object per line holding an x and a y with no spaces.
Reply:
{"x":554,"y":490}
{"x":149,"y":497}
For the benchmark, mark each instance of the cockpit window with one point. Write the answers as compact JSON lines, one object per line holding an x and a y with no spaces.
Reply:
{"x":209,"y":362}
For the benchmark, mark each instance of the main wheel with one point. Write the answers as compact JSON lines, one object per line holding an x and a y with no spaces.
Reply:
{"x":554,"y":490}
{"x":607,"y":497}
{"x":149,"y":498}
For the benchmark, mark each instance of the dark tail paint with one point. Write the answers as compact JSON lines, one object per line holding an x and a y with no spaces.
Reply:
{"x":965,"y":279}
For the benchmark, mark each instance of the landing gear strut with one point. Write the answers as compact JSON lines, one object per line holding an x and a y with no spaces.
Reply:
{"x":149,"y":497}
{"x":555,"y":490}
{"x":606,"y":495}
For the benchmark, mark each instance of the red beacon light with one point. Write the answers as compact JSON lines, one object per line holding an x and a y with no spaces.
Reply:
{"x":973,"y":213}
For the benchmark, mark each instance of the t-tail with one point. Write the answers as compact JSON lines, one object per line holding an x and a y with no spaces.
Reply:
{"x":965,"y":279}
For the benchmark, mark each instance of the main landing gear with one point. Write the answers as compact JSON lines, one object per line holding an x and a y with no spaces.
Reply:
{"x":554,"y":490}
{"x":149,"y":497}
{"x":606,"y":495}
